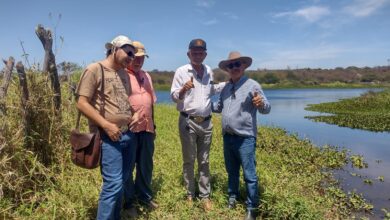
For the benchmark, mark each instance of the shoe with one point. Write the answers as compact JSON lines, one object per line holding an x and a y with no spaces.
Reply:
{"x":207,"y":205}
{"x":190,"y":200}
{"x":232,"y":203}
{"x":130,"y":213}
{"x":152,"y":205}
{"x":250,"y":215}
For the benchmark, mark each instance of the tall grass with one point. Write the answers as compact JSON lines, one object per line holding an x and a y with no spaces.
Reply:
{"x":39,"y":181}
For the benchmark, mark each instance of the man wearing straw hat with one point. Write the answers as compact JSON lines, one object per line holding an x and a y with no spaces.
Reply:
{"x":192,"y":88}
{"x":239,"y":102}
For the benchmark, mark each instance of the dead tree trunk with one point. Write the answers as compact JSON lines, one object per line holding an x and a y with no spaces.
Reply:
{"x":24,"y":99}
{"x":6,"y":80}
{"x":49,"y":64}
{"x":23,"y":83}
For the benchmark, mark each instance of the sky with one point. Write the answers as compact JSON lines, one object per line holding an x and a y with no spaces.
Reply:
{"x":277,"y":34}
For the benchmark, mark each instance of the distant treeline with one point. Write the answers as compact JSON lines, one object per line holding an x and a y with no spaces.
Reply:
{"x":287,"y":78}
{"x":307,"y":77}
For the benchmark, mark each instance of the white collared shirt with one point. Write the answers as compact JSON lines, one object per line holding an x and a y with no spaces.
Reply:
{"x":196,"y":101}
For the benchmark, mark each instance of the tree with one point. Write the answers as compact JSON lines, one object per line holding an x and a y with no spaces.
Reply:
{"x":270,"y":78}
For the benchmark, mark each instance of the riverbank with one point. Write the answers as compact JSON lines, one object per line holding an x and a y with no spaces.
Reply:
{"x":370,"y":112}
{"x":295,"y":181}
{"x":291,"y":85}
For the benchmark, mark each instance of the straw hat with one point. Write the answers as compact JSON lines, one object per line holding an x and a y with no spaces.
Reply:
{"x":235,"y":56}
{"x":140,"y":49}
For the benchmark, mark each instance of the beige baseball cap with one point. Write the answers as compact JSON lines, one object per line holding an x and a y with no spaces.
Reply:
{"x":120,"y":41}
{"x":140,"y":49}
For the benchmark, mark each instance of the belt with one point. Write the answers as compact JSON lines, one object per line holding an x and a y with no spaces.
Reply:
{"x":197,"y":119}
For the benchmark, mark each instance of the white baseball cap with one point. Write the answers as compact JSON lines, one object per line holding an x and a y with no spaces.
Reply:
{"x":120,"y":41}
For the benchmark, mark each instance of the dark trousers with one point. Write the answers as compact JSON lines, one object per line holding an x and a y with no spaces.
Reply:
{"x":140,"y":188}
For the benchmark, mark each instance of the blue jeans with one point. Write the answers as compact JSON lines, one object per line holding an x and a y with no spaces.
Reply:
{"x":118,"y":158}
{"x":141,"y":189}
{"x":240,"y":151}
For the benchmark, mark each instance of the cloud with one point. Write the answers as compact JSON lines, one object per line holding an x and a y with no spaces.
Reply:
{"x":205,"y":3}
{"x":363,"y":8}
{"x":210,"y":22}
{"x":310,"y":14}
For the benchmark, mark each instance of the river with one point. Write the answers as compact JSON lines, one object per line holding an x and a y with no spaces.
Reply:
{"x":288,"y":112}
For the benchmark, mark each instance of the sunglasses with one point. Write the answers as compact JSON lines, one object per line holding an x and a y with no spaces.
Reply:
{"x":235,"y":64}
{"x":130,"y":53}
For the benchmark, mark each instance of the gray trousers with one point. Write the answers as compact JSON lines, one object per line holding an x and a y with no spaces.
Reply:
{"x":195,"y":141}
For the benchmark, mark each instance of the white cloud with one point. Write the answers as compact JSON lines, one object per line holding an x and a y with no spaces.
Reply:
{"x":310,"y":14}
{"x":205,"y":3}
{"x":363,"y":8}
{"x":211,"y":22}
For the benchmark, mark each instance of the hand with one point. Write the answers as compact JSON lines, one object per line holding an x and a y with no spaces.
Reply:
{"x":257,"y":100}
{"x":136,"y":118}
{"x":189,"y":84}
{"x":112,"y":130}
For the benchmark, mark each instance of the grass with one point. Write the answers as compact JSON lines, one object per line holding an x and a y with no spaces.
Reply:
{"x":370,"y":112}
{"x":295,"y":176}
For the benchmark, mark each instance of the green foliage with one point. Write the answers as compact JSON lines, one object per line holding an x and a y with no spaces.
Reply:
{"x":270,"y":78}
{"x":387,"y":214}
{"x":358,"y":161}
{"x":369,"y":112}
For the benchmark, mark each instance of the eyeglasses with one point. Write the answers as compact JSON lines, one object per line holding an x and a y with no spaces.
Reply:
{"x":130,"y":53}
{"x":235,"y":64}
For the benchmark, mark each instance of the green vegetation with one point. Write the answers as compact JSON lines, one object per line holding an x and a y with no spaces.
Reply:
{"x":369,"y":112}
{"x":38,"y":181}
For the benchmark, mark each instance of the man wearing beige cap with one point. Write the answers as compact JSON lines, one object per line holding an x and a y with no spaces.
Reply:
{"x":239,"y":102}
{"x":192,"y":88}
{"x":142,"y":99}
{"x":111,"y":113}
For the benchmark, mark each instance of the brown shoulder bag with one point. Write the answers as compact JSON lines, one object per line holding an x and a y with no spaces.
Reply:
{"x":87,"y":147}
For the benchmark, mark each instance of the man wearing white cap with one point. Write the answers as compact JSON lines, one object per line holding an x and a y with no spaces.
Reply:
{"x":142,"y":99}
{"x":110,"y":112}
{"x":239,"y":102}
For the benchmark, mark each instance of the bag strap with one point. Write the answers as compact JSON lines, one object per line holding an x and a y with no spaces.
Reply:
{"x":102,"y":103}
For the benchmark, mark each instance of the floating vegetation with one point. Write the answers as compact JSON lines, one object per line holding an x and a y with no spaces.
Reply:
{"x":381,"y":178}
{"x":368,"y":181}
{"x":358,"y":161}
{"x":387,"y":214}
{"x":370,"y":112}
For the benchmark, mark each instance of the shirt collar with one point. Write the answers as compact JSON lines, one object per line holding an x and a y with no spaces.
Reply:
{"x":140,"y":72}
{"x":191,"y":69}
{"x":239,"y":82}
